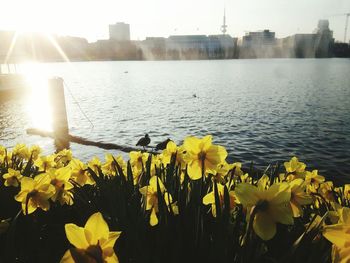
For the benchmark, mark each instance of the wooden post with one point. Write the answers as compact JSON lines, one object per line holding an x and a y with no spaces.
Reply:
{"x":59,"y":112}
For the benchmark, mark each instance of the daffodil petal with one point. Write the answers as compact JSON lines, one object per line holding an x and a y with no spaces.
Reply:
{"x":278,"y":193}
{"x":171,"y":147}
{"x":194,"y":170}
{"x":153,"y":218}
{"x":27,"y":183}
{"x":98,"y":228}
{"x":153,"y":183}
{"x":216,"y":154}
{"x":344,"y":255}
{"x":206,"y":142}
{"x":282,"y":213}
{"x":336,"y":234}
{"x":247,"y":194}
{"x":191,"y":144}
{"x":76,"y":236}
{"x":209,"y":198}
{"x":112,"y":259}
{"x":112,"y":238}
{"x":67,"y":258}
{"x":264,"y":226}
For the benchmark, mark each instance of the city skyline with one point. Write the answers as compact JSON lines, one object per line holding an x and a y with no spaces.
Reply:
{"x":161,"y":18}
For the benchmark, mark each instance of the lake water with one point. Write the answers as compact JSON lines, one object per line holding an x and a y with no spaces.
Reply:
{"x":260,"y":110}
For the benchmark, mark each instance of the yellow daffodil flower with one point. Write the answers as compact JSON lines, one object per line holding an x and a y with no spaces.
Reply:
{"x":313,"y":178}
{"x":21,"y":151}
{"x":172,"y":149}
{"x":138,"y":159}
{"x":2,"y":150}
{"x":299,"y":197}
{"x":93,"y":242}
{"x":138,"y":163}
{"x":156,"y":164}
{"x":2,"y":154}
{"x":326,"y":191}
{"x":45,"y":163}
{"x":12,"y":178}
{"x":201,"y":152}
{"x":209,"y":199}
{"x":151,"y":195}
{"x":169,"y":151}
{"x":109,"y":167}
{"x":295,"y":167}
{"x":63,"y":157}
{"x":263,"y":182}
{"x":80,"y":173}
{"x":245,"y":178}
{"x":347,"y":191}
{"x":34,"y":151}
{"x":222,"y":172}
{"x":95,"y":165}
{"x":271,"y":207}
{"x":36,"y":193}
{"x":339,"y":236}
{"x":60,"y":180}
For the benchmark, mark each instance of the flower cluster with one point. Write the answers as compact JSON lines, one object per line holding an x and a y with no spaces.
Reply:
{"x":192,"y":180}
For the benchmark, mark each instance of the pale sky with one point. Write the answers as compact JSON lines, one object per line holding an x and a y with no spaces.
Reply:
{"x":90,"y":18}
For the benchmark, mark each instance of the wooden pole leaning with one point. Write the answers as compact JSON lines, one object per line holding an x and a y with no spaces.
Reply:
{"x":59,"y":113}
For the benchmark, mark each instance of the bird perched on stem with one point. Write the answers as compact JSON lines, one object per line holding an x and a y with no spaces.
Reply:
{"x":162,"y":145}
{"x":144,"y":141}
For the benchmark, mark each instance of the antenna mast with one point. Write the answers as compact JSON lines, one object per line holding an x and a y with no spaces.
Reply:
{"x":224,"y":26}
{"x":346,"y":25}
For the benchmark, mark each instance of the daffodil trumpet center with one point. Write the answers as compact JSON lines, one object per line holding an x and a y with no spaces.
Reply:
{"x":32,"y":194}
{"x":14,"y":179}
{"x":57,"y":183}
{"x":262,"y":206}
{"x":95,"y":252}
{"x":201,"y":156}
{"x":92,"y":254}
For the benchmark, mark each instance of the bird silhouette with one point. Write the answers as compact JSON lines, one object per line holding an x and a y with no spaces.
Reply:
{"x":162,"y":145}
{"x":144,"y":141}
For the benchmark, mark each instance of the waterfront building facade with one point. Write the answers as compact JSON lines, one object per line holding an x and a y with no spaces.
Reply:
{"x":222,"y":46}
{"x":189,"y":47}
{"x":316,"y":45}
{"x":153,"y":48}
{"x":258,"y":44}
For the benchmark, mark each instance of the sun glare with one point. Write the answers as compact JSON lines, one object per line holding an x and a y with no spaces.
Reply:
{"x":38,"y":106}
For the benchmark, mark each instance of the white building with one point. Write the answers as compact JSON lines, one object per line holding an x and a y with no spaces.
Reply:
{"x":119,"y":31}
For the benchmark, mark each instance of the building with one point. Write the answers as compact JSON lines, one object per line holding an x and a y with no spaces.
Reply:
{"x":259,"y":38}
{"x":259,"y":44}
{"x":186,"y":47}
{"x":222,"y":46}
{"x":316,"y":45}
{"x":325,"y":40}
{"x":153,"y":48}
{"x":119,"y":32}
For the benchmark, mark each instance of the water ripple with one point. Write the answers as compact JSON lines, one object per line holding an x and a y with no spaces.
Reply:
{"x":261,"y":110}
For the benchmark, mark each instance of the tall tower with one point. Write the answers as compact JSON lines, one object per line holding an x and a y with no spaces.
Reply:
{"x":224,"y":26}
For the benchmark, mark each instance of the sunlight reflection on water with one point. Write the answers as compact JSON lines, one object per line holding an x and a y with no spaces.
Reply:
{"x":38,"y":107}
